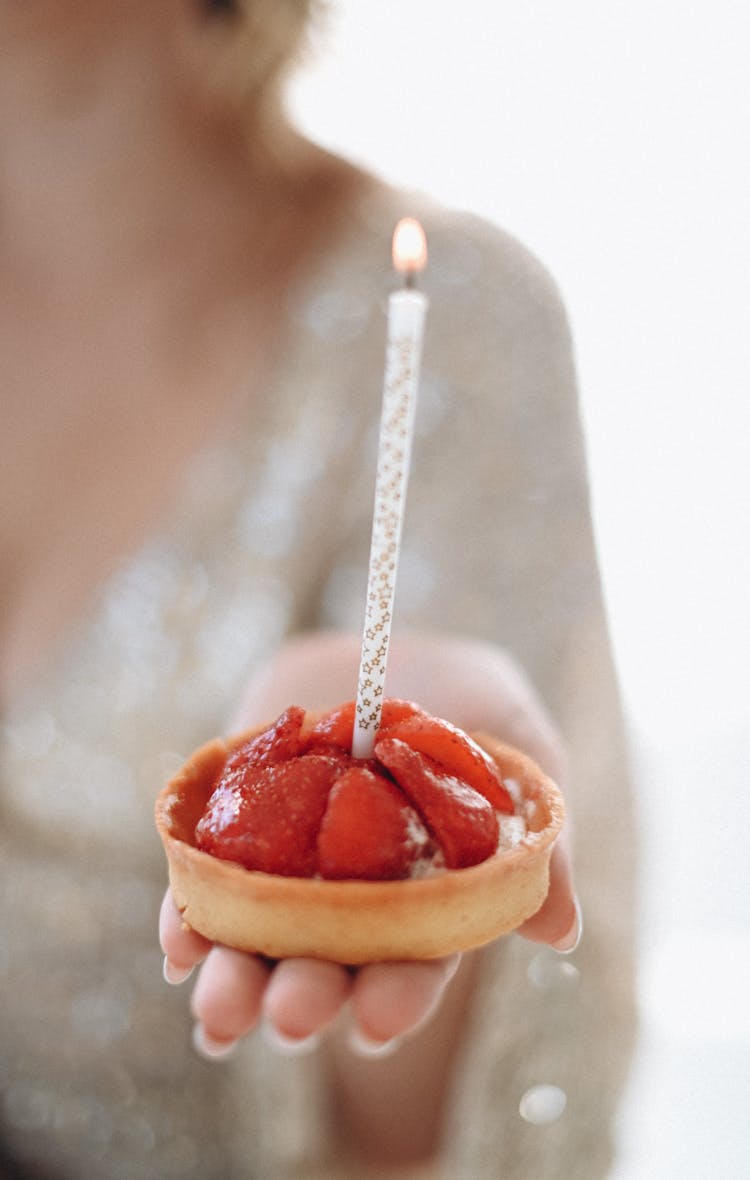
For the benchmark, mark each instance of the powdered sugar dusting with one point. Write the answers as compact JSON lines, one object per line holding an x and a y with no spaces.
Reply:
{"x":512,"y":831}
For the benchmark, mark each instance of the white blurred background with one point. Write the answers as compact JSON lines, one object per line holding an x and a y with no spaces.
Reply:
{"x":613,"y":139}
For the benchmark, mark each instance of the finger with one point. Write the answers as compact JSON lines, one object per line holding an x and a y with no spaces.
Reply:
{"x":558,"y":922}
{"x":304,"y":996}
{"x":182,"y":947}
{"x":227,"y":998}
{"x":391,"y":999}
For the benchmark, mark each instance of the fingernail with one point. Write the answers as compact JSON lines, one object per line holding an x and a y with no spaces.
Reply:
{"x":570,"y":941}
{"x":288,"y":1046}
{"x":364,"y":1046}
{"x":211,"y":1047}
{"x":174,"y":974}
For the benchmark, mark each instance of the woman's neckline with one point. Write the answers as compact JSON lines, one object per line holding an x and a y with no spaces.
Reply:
{"x":332,"y":238}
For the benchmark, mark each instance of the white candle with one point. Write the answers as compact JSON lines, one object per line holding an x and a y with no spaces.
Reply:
{"x":407,"y":309}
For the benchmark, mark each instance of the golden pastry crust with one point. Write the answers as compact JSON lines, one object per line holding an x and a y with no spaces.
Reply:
{"x":356,"y":921}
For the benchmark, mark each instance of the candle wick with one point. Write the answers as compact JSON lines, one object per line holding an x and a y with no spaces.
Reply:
{"x":410,"y":279}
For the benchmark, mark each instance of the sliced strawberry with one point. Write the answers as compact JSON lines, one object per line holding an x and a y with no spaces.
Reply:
{"x":369,"y":831}
{"x":338,"y":758}
{"x":462,"y":820}
{"x":336,"y":727}
{"x":457,"y":754}
{"x":267,"y":817}
{"x":395,"y":711}
{"x":279,"y":742}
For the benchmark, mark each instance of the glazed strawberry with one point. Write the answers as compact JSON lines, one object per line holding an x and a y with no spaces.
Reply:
{"x":369,"y":830}
{"x":278,"y":743}
{"x":333,"y":729}
{"x":267,"y":816}
{"x":456,"y":753}
{"x":336,"y":727}
{"x":295,"y":802}
{"x":462,"y":820}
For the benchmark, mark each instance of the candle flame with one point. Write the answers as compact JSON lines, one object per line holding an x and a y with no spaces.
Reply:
{"x":409,"y":246}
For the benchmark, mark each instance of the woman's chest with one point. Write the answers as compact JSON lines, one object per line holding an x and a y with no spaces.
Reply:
{"x":159,"y":659}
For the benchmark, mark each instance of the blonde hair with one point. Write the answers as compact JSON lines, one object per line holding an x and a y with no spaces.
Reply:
{"x":255,"y":44}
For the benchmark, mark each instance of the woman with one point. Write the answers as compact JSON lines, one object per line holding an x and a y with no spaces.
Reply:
{"x":192,"y":311}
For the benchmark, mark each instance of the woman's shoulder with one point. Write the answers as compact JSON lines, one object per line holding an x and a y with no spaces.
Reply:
{"x":484,"y":284}
{"x":479,"y":276}
{"x":497,"y":332}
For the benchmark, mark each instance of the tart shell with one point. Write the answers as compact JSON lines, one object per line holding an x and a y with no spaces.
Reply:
{"x":356,"y":922}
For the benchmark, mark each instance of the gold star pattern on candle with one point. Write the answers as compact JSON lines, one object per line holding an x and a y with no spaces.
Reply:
{"x":393,"y":459}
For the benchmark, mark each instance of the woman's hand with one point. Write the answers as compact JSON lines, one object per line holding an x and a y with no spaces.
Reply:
{"x":478,"y":687}
{"x":296,"y":999}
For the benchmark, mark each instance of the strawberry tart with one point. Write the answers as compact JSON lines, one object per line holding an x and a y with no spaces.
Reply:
{"x":280,"y":842}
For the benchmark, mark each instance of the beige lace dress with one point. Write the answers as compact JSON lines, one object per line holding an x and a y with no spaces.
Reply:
{"x":267,"y":534}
